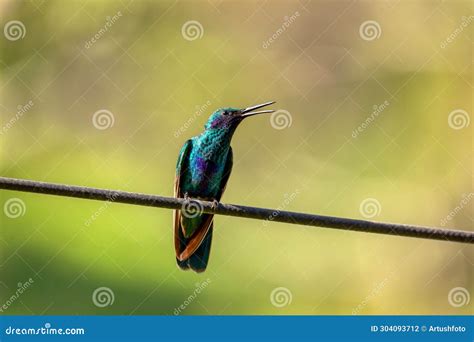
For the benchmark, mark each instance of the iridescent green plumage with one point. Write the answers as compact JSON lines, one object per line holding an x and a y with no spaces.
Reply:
{"x":203,"y":168}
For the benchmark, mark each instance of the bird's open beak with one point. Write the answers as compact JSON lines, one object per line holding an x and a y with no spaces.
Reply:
{"x":250,"y":111}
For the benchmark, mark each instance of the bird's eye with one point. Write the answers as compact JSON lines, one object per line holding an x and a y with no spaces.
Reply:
{"x":225,"y":113}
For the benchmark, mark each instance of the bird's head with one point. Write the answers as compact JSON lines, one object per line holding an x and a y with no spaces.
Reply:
{"x":229,"y":118}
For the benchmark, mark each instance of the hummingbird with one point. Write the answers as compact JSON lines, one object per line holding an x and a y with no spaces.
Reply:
{"x":202,"y":171}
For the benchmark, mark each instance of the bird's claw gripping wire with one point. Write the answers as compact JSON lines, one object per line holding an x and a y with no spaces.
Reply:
{"x":187,"y":199}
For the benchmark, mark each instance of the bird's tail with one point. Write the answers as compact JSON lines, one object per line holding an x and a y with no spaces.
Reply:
{"x":193,"y":251}
{"x":199,"y":259}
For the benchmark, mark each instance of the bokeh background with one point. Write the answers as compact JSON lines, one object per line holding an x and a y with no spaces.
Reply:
{"x":154,"y":71}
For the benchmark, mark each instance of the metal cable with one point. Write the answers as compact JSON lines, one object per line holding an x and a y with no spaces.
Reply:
{"x":236,"y":210}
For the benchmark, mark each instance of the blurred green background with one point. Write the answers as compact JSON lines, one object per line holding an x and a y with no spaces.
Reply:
{"x":153,"y":74}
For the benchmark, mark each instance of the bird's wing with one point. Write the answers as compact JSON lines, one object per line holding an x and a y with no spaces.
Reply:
{"x":193,"y":243}
{"x":227,"y":170}
{"x":181,"y":166}
{"x":198,"y":261}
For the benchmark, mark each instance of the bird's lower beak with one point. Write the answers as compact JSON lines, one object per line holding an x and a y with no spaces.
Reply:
{"x":250,"y":111}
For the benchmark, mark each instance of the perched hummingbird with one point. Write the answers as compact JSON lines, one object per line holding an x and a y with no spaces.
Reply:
{"x":203,"y":168}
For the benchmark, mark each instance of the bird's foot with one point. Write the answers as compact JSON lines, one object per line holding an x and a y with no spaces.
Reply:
{"x":215,"y":204}
{"x":187,"y":200}
{"x":186,"y":197}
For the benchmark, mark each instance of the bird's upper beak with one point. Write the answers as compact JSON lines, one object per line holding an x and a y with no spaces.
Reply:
{"x":250,"y":111}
